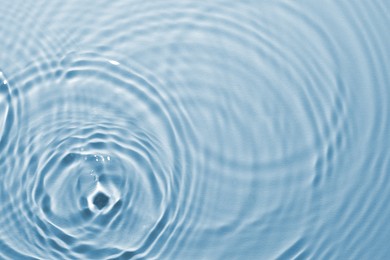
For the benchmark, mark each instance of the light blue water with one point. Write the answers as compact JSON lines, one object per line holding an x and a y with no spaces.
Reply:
{"x":194,"y":129}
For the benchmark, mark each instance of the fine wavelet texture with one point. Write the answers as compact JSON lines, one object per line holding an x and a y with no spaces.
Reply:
{"x":194,"y":129}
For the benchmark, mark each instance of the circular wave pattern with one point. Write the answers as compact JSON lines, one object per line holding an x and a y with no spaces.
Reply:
{"x":192,"y":130}
{"x":83,"y":164}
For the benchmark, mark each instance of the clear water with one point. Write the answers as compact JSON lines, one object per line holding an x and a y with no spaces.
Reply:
{"x":194,"y":129}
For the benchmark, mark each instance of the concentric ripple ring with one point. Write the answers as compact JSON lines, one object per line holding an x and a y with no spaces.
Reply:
{"x":91,"y":151}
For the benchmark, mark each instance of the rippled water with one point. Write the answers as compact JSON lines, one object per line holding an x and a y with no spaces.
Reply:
{"x":194,"y":129}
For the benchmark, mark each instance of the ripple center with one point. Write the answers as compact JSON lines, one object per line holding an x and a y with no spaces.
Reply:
{"x":100,"y":200}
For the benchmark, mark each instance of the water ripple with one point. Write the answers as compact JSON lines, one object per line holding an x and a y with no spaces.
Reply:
{"x":84,"y":162}
{"x":194,"y":130}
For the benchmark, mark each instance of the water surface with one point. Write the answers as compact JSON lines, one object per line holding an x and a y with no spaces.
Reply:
{"x":194,"y":129}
